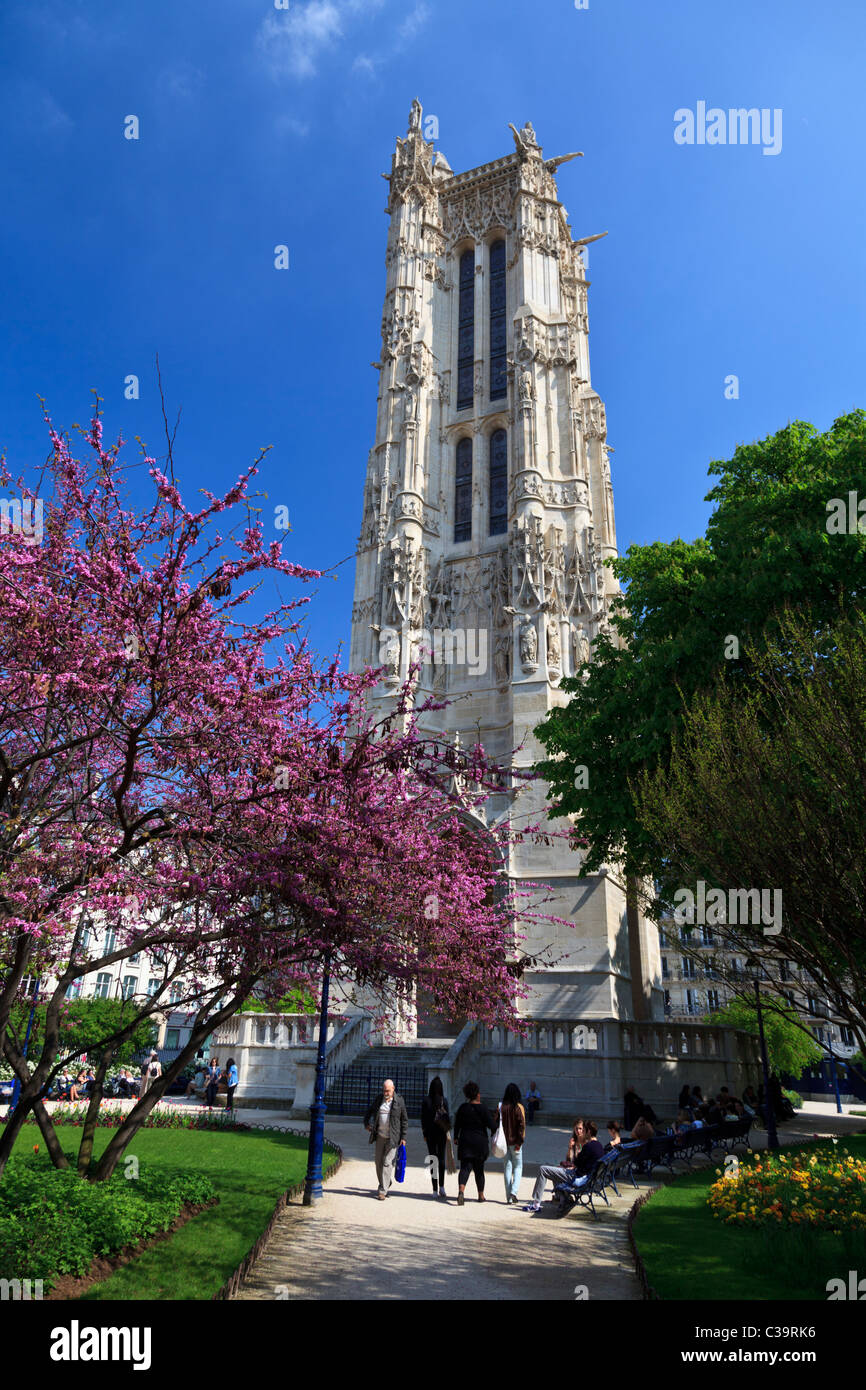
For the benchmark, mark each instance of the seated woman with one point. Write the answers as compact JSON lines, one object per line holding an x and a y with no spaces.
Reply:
{"x":643,"y":1130}
{"x":78,"y":1090}
{"x":614,"y":1136}
{"x":682,"y":1124}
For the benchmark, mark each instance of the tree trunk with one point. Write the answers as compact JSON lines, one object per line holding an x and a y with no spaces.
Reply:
{"x":85,"y":1148}
{"x":10,"y":1132}
{"x":123,"y":1136}
{"x":49,"y":1134}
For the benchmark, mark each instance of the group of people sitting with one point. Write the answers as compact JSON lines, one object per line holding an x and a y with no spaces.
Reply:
{"x":77,"y":1087}
{"x":693,"y":1111}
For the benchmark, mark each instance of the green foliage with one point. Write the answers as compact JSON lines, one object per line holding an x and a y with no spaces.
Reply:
{"x":789,"y":1048}
{"x":249,"y":1169}
{"x":53,"y":1222}
{"x":297,"y":1002}
{"x":767,"y":791}
{"x":85,"y":1024}
{"x":766,"y":546}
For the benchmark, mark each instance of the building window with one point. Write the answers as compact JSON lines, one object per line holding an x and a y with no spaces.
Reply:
{"x":172,"y":1039}
{"x":152,"y":986}
{"x":466,"y":332}
{"x":665,"y":971}
{"x":498,"y":482}
{"x":103,"y":985}
{"x":688,"y":968}
{"x":846,"y":1035}
{"x":692,"y":1005}
{"x":463,"y":492}
{"x":110,"y":941}
{"x":129,"y":985}
{"x":706,"y":936}
{"x":498,"y":380}
{"x":712,"y":1000}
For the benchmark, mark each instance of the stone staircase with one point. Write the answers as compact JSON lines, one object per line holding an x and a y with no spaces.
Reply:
{"x":351,"y":1089}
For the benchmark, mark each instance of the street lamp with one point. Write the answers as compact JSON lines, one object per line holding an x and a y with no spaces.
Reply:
{"x":16,"y":1084}
{"x":313,"y":1182}
{"x":772,"y":1134}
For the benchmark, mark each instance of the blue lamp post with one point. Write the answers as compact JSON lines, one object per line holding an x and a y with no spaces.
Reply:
{"x":313,"y":1182}
{"x":16,"y":1084}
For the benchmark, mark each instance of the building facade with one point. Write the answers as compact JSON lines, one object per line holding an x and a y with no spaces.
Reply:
{"x":488,"y":516}
{"x":701,"y":974}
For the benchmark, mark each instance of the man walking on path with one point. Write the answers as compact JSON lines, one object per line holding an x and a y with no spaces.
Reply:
{"x":388,"y":1124}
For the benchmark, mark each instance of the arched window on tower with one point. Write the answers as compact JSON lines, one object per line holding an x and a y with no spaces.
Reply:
{"x":498,"y":482}
{"x":463,"y":492}
{"x":498,"y":382}
{"x":466,"y":331}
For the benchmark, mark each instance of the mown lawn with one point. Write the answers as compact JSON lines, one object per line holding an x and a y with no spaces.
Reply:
{"x":249,"y":1171}
{"x":690,"y":1254}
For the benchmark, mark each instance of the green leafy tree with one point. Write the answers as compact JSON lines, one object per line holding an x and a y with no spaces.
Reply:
{"x":84,"y":1026}
{"x":790,"y":1049}
{"x":767,"y":792}
{"x":688,"y":613}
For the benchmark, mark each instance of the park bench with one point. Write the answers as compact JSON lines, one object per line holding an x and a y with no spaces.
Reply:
{"x":627,"y":1156}
{"x":734,"y":1133}
{"x":581,"y":1191}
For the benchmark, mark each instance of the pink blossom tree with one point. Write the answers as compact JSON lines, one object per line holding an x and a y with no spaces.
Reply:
{"x":178,"y":778}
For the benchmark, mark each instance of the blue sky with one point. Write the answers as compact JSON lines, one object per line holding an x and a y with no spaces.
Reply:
{"x":260,"y":126}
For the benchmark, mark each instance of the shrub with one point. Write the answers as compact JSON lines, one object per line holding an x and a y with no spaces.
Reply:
{"x":52,"y":1222}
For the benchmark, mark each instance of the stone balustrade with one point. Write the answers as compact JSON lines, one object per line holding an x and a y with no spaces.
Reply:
{"x":584,"y":1065}
{"x":269,"y":1050}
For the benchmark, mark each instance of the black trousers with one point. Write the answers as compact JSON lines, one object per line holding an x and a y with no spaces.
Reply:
{"x":230,"y":1097}
{"x":469,"y":1163}
{"x":435,"y":1142}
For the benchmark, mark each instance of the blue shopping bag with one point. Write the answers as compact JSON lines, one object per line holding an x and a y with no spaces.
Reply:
{"x":400,"y":1168}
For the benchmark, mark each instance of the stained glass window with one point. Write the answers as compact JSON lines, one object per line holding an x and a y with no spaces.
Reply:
{"x":498,"y":380}
{"x":466,"y":331}
{"x":463,"y":492}
{"x":498,"y":482}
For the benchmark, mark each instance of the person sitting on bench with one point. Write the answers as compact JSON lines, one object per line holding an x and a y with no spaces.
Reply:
{"x":533,"y":1102}
{"x":573,"y":1170}
{"x":643,"y":1130}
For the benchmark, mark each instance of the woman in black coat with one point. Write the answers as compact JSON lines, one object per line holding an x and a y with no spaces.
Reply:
{"x":435,"y":1126}
{"x":471,"y":1124}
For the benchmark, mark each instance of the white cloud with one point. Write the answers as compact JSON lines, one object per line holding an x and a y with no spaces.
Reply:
{"x":181,"y":80}
{"x":414,"y":22}
{"x":291,"y":125}
{"x":292,"y":43}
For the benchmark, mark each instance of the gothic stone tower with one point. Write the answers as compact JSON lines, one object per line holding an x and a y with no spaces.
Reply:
{"x":488,"y":514}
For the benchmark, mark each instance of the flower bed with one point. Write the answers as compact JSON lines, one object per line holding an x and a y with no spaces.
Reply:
{"x":112,"y":1116}
{"x":54,"y":1223}
{"x":824,"y":1189}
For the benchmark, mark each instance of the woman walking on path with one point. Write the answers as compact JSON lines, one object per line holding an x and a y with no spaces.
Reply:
{"x":514,"y":1125}
{"x":436,"y":1126}
{"x":231,"y":1082}
{"x":471,"y":1124}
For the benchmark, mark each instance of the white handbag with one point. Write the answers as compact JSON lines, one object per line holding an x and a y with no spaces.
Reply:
{"x":499,"y":1147}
